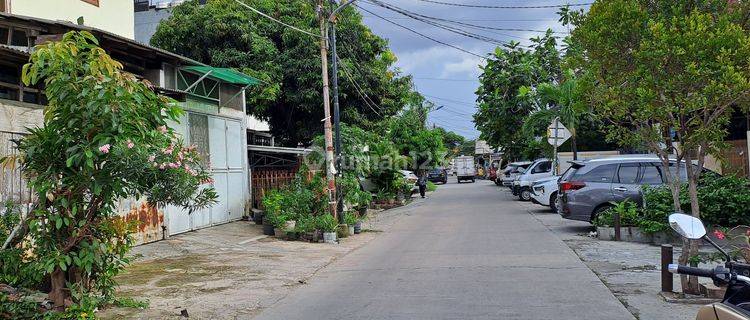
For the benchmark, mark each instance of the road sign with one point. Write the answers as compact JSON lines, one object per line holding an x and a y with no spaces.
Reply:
{"x":557,"y":133}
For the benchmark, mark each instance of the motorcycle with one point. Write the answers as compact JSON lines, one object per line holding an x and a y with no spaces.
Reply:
{"x":734,"y":275}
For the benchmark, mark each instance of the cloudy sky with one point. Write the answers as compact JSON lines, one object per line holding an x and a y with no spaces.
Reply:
{"x":447,"y":76}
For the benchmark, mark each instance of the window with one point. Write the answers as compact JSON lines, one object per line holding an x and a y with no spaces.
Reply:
{"x":603,"y":173}
{"x":545,"y":166}
{"x":198,"y":126}
{"x":652,"y":174}
{"x":628,"y":173}
{"x":4,"y":32}
{"x":19,"y":38}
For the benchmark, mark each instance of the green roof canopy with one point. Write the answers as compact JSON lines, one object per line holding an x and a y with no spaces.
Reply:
{"x":224,"y":74}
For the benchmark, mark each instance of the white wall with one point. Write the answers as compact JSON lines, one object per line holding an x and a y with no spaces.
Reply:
{"x":115,"y":16}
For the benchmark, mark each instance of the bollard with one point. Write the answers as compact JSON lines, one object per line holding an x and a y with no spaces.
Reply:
{"x":616,"y":218}
{"x":666,"y":277}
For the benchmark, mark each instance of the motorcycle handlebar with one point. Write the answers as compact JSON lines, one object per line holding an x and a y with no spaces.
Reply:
{"x":698,"y":272}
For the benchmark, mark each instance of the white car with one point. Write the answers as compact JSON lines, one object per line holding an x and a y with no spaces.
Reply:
{"x":540,"y":169}
{"x":544,"y":192}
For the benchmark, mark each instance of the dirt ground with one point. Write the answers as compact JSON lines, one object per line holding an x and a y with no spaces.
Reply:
{"x":230,"y":271}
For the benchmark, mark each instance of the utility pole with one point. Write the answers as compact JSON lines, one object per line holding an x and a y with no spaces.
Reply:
{"x":330,"y":168}
{"x":336,"y":112}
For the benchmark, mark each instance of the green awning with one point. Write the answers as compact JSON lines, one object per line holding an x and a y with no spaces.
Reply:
{"x":225,"y":75}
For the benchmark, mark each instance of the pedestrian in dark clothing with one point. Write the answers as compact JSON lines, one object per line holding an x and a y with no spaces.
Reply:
{"x":422,"y":183}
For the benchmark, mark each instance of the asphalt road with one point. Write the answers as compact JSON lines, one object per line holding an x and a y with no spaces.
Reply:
{"x":466,"y":252}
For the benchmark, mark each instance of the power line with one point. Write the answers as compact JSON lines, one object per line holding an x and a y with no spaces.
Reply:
{"x":451,"y":100}
{"x":411,"y":13}
{"x":445,"y":79}
{"x":482,"y":20}
{"x":507,"y":7}
{"x":427,"y":20}
{"x":422,"y":34}
{"x":276,"y":20}
{"x":363,"y":95}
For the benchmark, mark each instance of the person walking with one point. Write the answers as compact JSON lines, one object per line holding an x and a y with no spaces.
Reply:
{"x":422,"y":182}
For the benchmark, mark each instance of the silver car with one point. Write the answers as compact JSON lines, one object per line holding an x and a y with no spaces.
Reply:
{"x":590,"y":186}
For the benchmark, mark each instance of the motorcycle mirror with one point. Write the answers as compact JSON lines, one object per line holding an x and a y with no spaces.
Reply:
{"x":687,"y":226}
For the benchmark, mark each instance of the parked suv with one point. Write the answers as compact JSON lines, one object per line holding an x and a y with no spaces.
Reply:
{"x":541,"y":168}
{"x":590,"y":186}
{"x":438,"y":175}
{"x":512,"y":171}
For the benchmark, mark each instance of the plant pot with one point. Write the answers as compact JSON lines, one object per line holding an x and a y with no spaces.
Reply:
{"x":358,"y":227}
{"x":317,"y":236}
{"x":279,"y":233}
{"x":351,"y":230}
{"x":329,"y":237}
{"x":268,"y":229}
{"x":289,"y":225}
{"x":391,"y":201}
{"x":258,"y":217}
{"x":292,"y":236}
{"x":362,"y":211}
{"x":307,"y":236}
{"x":343,"y":231}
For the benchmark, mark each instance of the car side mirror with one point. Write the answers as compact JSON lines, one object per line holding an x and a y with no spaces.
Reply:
{"x":687,"y":226}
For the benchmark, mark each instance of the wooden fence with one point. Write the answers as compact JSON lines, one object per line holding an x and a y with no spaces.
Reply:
{"x":736,"y":159}
{"x":265,"y":180}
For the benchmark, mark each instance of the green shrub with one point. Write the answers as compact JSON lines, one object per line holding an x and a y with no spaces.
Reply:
{"x":327,"y":223}
{"x":303,"y":197}
{"x":431,"y":186}
{"x":628,"y":211}
{"x":723,"y":201}
{"x":350,"y":218}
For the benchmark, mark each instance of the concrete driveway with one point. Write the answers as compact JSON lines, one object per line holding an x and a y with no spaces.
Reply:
{"x":461,"y":254}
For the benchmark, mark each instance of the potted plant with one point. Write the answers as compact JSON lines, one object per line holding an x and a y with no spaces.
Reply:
{"x":350,"y":219}
{"x":360,"y":219}
{"x":328,"y":224}
{"x":258,"y":216}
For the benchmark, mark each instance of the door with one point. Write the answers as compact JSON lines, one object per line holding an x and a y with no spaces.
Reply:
{"x":237,"y":187}
{"x":626,"y":185}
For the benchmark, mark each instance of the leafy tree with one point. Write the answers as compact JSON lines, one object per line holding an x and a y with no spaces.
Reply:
{"x":506,"y":96}
{"x":104,"y":138}
{"x":667,"y":66}
{"x":222,"y":33}
{"x":423,"y":147}
{"x":451,"y":141}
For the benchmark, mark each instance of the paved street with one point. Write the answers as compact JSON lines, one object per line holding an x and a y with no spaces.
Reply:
{"x":461,"y":254}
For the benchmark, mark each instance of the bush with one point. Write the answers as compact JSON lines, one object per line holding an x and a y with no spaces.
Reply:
{"x":327,"y":223}
{"x":431,"y":186}
{"x":723,"y":201}
{"x":304,"y":197}
{"x":628,"y":211}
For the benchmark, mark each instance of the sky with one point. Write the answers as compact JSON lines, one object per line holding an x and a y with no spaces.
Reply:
{"x":444,"y":75}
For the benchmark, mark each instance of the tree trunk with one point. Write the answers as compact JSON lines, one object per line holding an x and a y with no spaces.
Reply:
{"x":690,"y":247}
{"x":59,"y":292}
{"x":573,"y":143}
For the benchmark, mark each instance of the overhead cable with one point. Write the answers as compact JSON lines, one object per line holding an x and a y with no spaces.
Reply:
{"x":276,"y":20}
{"x":507,"y":7}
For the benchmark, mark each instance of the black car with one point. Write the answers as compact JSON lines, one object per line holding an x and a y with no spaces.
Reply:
{"x":438,"y":175}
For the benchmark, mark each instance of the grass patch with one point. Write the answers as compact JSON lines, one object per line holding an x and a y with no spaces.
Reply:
{"x":431,"y":186}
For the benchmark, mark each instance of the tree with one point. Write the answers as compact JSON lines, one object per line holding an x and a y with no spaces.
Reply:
{"x":667,"y":75}
{"x":222,"y":33}
{"x":506,"y":95}
{"x":423,"y":147}
{"x":104,"y":138}
{"x":451,"y":141}
{"x":565,"y":99}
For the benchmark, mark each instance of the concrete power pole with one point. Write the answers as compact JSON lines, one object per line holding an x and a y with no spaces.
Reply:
{"x":330,"y":167}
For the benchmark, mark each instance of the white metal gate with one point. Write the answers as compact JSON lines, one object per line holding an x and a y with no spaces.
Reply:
{"x":223,"y":139}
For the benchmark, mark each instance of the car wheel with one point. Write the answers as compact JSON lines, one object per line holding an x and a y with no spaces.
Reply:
{"x":472,"y":180}
{"x":525,"y":194}
{"x":553,"y":202}
{"x":599,"y":210}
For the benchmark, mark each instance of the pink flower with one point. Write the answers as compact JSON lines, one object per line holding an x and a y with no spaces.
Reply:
{"x":163,"y":129}
{"x":156,"y":164}
{"x":719,"y":235}
{"x":748,"y":232}
{"x":151,"y":158}
{"x":168,"y":150}
{"x":130,"y":144}
{"x":162,"y":166}
{"x":104,"y":148}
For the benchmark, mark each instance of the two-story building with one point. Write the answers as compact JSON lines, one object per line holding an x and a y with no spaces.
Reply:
{"x":215,"y":121}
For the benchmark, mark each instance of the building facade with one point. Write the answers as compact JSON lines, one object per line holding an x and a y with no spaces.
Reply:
{"x":114,"y":16}
{"x":215,"y":120}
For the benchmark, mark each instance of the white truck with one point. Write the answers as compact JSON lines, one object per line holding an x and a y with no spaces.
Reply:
{"x":465,"y":169}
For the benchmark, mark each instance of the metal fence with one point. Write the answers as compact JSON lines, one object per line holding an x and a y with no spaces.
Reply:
{"x":13,"y":186}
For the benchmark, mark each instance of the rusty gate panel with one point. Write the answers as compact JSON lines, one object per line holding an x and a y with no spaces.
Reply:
{"x":148,"y":218}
